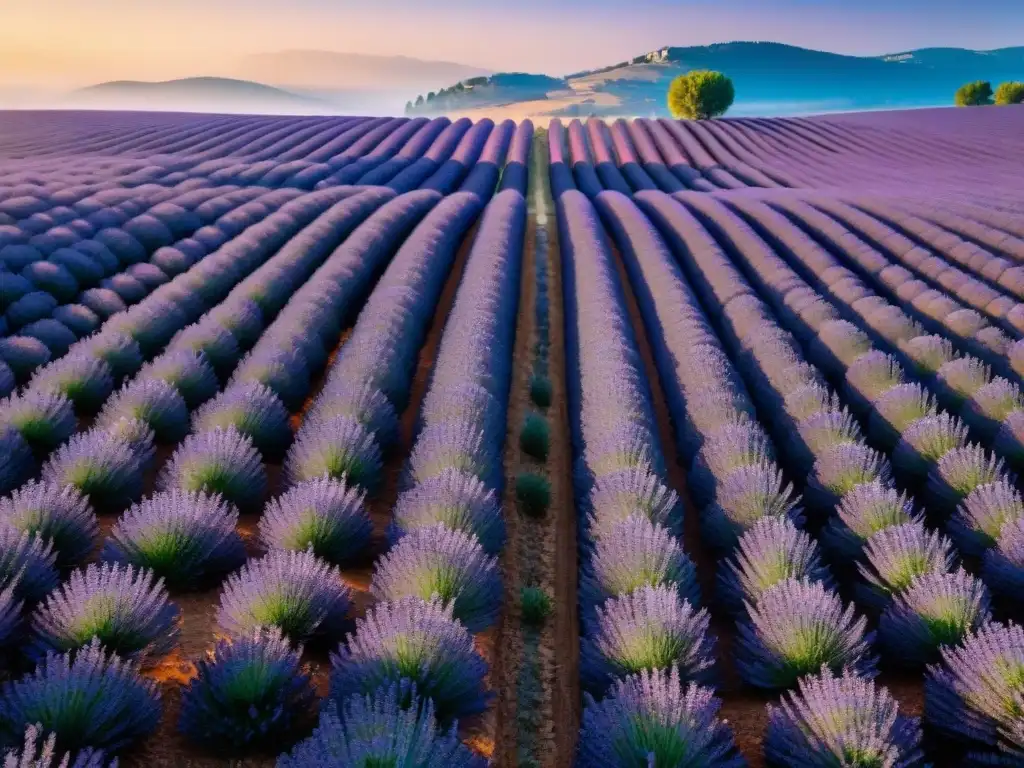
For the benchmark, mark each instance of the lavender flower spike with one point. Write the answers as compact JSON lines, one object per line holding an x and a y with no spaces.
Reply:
{"x":89,"y":699}
{"x":219,"y":462}
{"x":185,"y":537}
{"x":982,"y":515}
{"x":391,"y":726}
{"x":125,"y":608}
{"x":325,"y":515}
{"x":647,"y":629}
{"x":863,"y":512}
{"x":103,"y":467}
{"x":898,"y":555}
{"x":419,"y":641}
{"x":843,"y":720}
{"x":250,"y":692}
{"x":39,"y":753}
{"x":796,"y":628}
{"x":294,"y":591}
{"x":59,"y":516}
{"x":28,"y":562}
{"x":936,"y":610}
{"x":653,"y":719}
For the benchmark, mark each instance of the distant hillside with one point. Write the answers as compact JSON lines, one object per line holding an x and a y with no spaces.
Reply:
{"x":483,"y":91}
{"x":770,"y":79}
{"x":196,"y":94}
{"x":329,"y":71}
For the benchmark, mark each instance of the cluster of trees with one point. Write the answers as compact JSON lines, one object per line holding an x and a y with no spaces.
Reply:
{"x":444,"y":93}
{"x":700,"y":95}
{"x":980,"y":94}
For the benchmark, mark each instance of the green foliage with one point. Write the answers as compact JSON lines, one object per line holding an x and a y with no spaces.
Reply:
{"x":431,"y":96}
{"x":482,"y":80}
{"x":408,"y":107}
{"x":535,"y":438}
{"x":419,"y":101}
{"x":1011,"y":92}
{"x":976,"y":94}
{"x":535,"y":605}
{"x":700,"y":95}
{"x":533,"y":494}
{"x":540,"y":390}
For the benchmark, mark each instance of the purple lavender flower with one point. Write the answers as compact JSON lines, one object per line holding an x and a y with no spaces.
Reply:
{"x":843,"y":720}
{"x":83,"y":379}
{"x":242,"y":318}
{"x":391,"y":726}
{"x":7,"y":380}
{"x":88,"y":699}
{"x":960,"y":471}
{"x":707,"y":411}
{"x":125,"y":608}
{"x":454,"y":445}
{"x":35,"y":753}
{"x":118,"y":351}
{"x":990,"y":405}
{"x":339,"y":448}
{"x":152,"y":401}
{"x":365,"y":404}
{"x":975,"y":692}
{"x":838,"y":344}
{"x":254,"y":411}
{"x":895,"y":556}
{"x":958,"y":380}
{"x":28,"y":563}
{"x":894,"y":411}
{"x":772,"y":551}
{"x":57,"y":515}
{"x":98,"y":465}
{"x":460,"y":501}
{"x":620,"y":495}
{"x":796,"y":628}
{"x":463,"y":401}
{"x":250,"y":692}
{"x":840,"y":469}
{"x":745,"y":496}
{"x":188,"y":372}
{"x":139,"y":437}
{"x":284,"y":371}
{"x":870,"y":376}
{"x":184,"y":537}
{"x":637,"y":553}
{"x":220,"y":462}
{"x":324,"y":515}
{"x":863,"y":512}
{"x":937,"y":609}
{"x":655,"y":719}
{"x":728,"y":449}
{"x":805,"y":401}
{"x":651,"y":628}
{"x":820,"y":432}
{"x":926,"y":441}
{"x":928,"y":353}
{"x":446,"y":564}
{"x":214,"y":341}
{"x":982,"y":515}
{"x":44,"y":420}
{"x":415,"y":640}
{"x":1003,"y":565}
{"x":294,"y":591}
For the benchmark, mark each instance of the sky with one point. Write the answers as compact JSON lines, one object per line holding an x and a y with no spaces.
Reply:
{"x":64,"y":43}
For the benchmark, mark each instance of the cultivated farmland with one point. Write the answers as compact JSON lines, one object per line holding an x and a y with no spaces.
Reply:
{"x":407,"y":441}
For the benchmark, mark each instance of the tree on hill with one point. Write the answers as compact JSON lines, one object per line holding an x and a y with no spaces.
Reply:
{"x":976,"y":94}
{"x":431,"y":96}
{"x":700,"y":95}
{"x":408,"y":107}
{"x":1011,"y":92}
{"x":419,"y":100}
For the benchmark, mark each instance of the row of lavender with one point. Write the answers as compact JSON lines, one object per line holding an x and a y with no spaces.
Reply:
{"x":923,"y":604}
{"x":183,"y":533}
{"x":397,"y":152}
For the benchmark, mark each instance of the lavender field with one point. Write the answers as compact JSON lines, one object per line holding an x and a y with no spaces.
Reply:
{"x":418,"y":442}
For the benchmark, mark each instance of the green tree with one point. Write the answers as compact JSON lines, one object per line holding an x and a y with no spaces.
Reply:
{"x":431,"y":96}
{"x":408,"y":107}
{"x":1011,"y":92}
{"x":976,"y":94}
{"x":700,"y":95}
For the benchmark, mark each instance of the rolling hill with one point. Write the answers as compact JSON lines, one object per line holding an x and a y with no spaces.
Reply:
{"x":770,"y":78}
{"x":218,"y":94}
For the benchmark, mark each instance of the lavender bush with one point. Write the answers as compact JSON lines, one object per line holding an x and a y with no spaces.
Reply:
{"x":61,"y":517}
